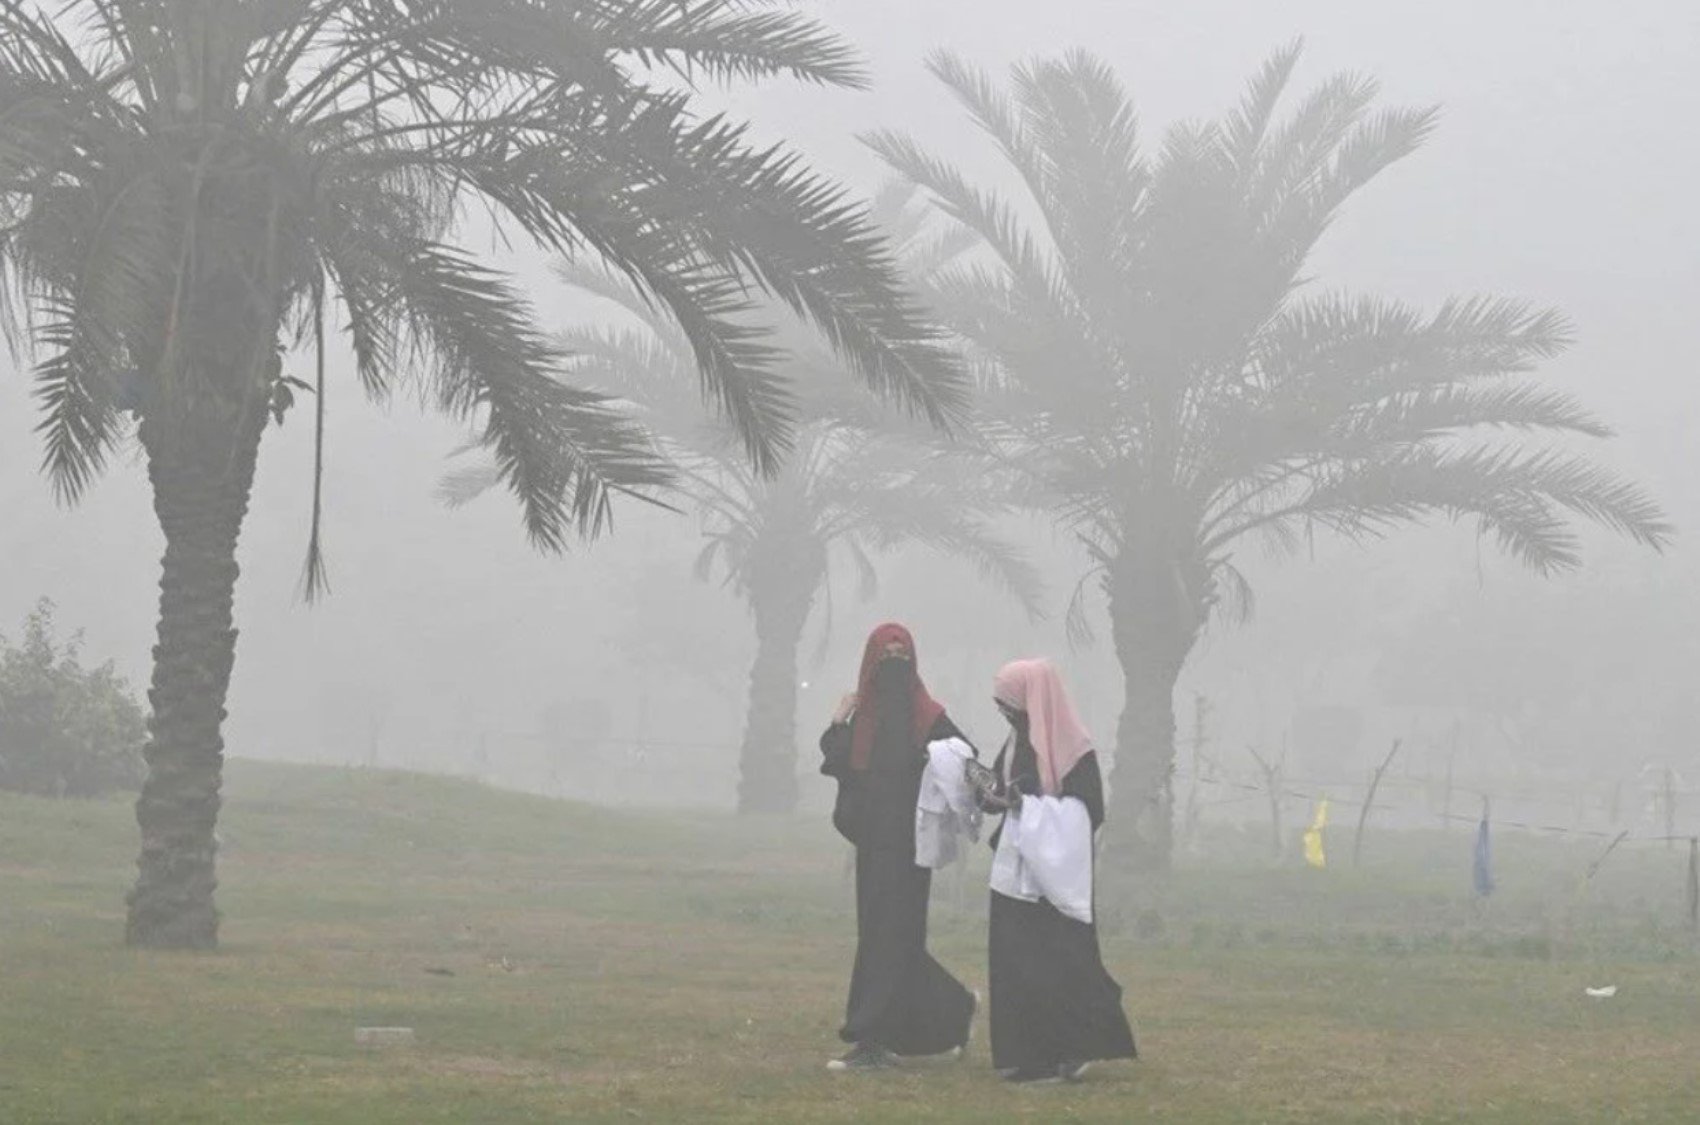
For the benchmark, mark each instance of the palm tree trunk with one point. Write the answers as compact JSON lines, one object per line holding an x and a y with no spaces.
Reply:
{"x":767,"y":766}
{"x":1155,"y":618}
{"x":1142,"y":784}
{"x":201,"y":465}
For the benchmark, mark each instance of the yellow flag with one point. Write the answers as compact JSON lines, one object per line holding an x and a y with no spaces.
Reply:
{"x":1313,"y":836}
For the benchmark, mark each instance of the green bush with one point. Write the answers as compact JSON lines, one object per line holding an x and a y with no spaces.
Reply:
{"x":65,"y":730}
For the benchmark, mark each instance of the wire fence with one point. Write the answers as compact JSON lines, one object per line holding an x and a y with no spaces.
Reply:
{"x":683,"y":771}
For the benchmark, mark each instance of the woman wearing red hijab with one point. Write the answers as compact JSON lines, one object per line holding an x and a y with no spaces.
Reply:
{"x":1054,"y":1005}
{"x":902,"y":1002}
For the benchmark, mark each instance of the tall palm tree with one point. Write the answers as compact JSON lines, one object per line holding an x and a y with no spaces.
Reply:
{"x":857,"y":482}
{"x":1178,"y":387}
{"x":187,"y":187}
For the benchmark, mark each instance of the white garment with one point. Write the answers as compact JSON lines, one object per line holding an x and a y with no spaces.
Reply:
{"x":945,"y":810}
{"x":1045,"y":852}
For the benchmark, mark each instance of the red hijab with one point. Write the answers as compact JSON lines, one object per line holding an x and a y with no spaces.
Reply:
{"x":866,"y":719}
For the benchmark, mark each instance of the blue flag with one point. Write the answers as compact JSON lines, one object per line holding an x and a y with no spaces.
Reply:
{"x":1484,"y":861}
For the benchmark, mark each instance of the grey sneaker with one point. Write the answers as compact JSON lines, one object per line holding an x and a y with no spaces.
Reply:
{"x":1073,"y":1071}
{"x":1034,"y":1076}
{"x":863,"y":1057}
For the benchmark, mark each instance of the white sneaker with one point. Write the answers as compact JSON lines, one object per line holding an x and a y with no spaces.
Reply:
{"x":863,"y":1057}
{"x":961,"y":1048}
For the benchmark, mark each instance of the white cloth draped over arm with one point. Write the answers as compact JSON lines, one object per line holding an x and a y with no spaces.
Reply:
{"x":1045,"y":852}
{"x":945,"y":809}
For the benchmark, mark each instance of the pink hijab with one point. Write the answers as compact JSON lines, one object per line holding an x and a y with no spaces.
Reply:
{"x":1059,"y":738}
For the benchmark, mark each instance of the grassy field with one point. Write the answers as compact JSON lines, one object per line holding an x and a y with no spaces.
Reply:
{"x":564,"y":963}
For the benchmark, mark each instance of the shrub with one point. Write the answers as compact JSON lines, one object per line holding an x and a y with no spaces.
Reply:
{"x":65,"y":730}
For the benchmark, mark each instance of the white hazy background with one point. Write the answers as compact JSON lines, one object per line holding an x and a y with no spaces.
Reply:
{"x":1564,"y":172}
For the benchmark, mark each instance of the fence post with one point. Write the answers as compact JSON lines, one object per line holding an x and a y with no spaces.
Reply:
{"x":1369,"y":799}
{"x":1694,"y":883}
{"x":1194,"y":812}
{"x":1272,"y":780}
{"x":1446,"y":802}
{"x":1670,"y":808}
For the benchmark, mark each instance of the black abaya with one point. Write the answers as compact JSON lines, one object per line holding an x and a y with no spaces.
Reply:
{"x":1052,"y":999}
{"x":900,"y":998}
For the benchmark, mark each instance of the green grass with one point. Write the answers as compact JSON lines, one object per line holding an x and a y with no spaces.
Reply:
{"x":619,"y":967}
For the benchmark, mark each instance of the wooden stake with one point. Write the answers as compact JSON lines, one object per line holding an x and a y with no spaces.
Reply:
{"x":1694,"y":883}
{"x":1194,"y":812}
{"x":1594,"y":868}
{"x":1446,"y":803}
{"x":1670,"y":808}
{"x":1369,"y":799}
{"x":1272,"y":779}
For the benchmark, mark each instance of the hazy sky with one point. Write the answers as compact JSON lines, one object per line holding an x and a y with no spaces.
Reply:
{"x":1563,"y":172}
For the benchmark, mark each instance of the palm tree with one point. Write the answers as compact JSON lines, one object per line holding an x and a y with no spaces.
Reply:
{"x":189,"y":185}
{"x":857,"y":482}
{"x":1177,"y":387}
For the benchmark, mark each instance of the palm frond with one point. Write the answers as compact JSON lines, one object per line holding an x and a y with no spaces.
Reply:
{"x":315,"y":579}
{"x":563,"y":452}
{"x":462,"y":486}
{"x":983,"y":212}
{"x":1095,"y":190}
{"x":993,"y":112}
{"x":631,"y":230}
{"x":893,"y":211}
{"x":823,"y":637}
{"x":717,"y":547}
{"x":83,"y":321}
{"x":1246,"y":126}
{"x":1413,"y":416}
{"x":693,"y":214}
{"x":618,"y":290}
{"x":1077,"y":620}
{"x":807,"y":242}
{"x":1083,"y":124}
{"x":1236,"y":599}
{"x":80,"y":423}
{"x":1335,"y":377}
{"x":1517,"y":496}
{"x":726,"y":44}
{"x":1297,"y":151}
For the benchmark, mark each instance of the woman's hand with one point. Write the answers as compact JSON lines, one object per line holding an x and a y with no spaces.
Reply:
{"x":846,"y":708}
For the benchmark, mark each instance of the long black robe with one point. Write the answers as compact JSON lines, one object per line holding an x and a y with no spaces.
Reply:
{"x":900,"y":998}
{"x":1052,"y":999}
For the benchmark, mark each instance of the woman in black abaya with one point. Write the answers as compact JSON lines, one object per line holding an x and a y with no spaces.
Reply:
{"x":1055,"y":1007}
{"x":902,"y":1002}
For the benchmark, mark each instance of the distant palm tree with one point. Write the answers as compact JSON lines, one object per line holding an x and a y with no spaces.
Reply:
{"x":187,"y":185}
{"x":856,"y":483}
{"x":1176,"y":387}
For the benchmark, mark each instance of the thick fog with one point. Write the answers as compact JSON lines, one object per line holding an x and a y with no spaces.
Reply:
{"x":1563,"y":171}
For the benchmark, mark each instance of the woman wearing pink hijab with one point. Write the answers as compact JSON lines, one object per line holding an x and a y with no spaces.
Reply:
{"x":1054,"y":1007}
